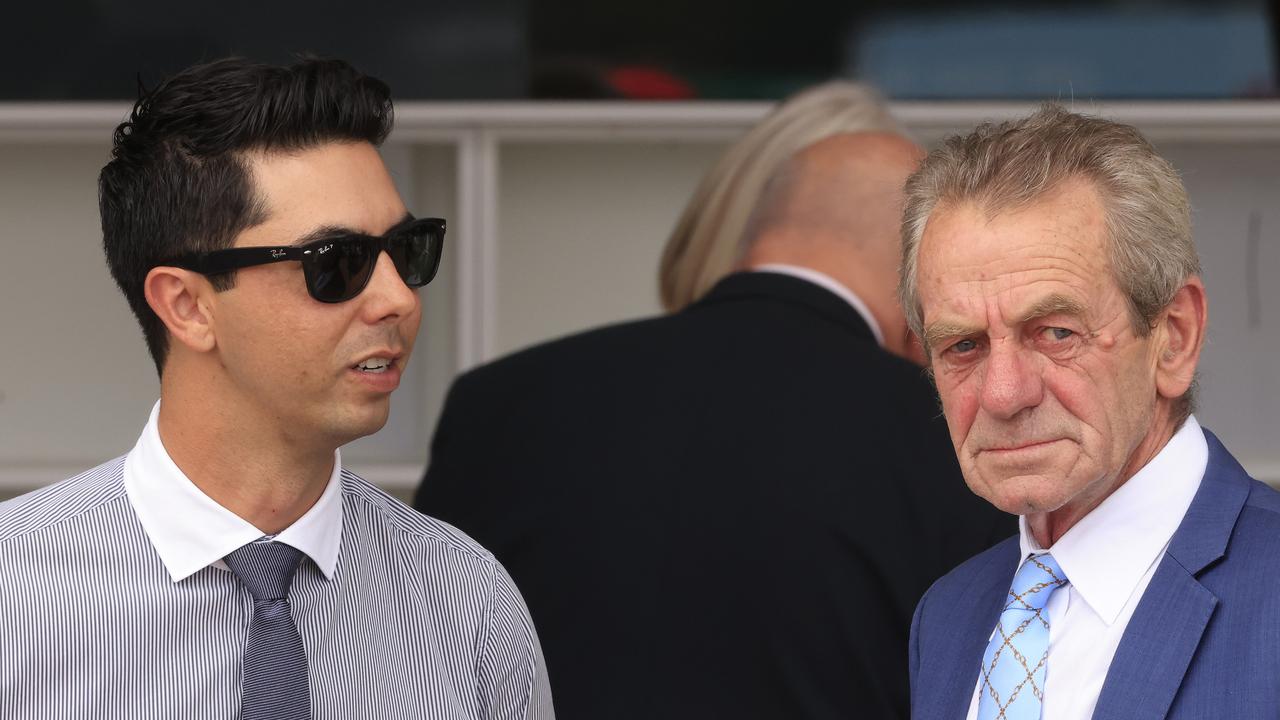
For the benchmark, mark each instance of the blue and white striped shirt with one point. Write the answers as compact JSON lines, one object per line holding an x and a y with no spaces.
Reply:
{"x":414,"y":621}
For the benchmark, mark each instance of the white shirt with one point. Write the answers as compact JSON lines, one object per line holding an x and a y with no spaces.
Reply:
{"x":826,"y":281}
{"x":191,"y":531}
{"x":1109,"y":557}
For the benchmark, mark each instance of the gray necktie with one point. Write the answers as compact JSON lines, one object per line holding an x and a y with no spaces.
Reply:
{"x":275,"y":663}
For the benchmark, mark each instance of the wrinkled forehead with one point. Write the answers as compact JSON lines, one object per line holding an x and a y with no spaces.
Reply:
{"x":1057,"y":245}
{"x":1070,"y":217}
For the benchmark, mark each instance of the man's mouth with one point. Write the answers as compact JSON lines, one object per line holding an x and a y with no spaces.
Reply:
{"x":373,"y":365}
{"x":1027,"y":445}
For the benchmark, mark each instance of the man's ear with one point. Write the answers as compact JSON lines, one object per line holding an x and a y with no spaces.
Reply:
{"x":1182,"y":332}
{"x":179,"y":298}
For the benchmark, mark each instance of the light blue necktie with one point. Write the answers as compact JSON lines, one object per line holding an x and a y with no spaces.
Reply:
{"x":1016,"y":662}
{"x":275,"y":683}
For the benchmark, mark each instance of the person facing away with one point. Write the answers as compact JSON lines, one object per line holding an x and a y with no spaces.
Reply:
{"x":729,"y":511}
{"x":228,"y":565}
{"x":1048,"y":264}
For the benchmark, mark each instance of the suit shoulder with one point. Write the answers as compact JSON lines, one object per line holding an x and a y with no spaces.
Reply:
{"x":362,"y":497}
{"x":577,"y":347}
{"x":62,"y":501}
{"x":569,"y":361}
{"x":1264,"y":499}
{"x":1259,"y":524}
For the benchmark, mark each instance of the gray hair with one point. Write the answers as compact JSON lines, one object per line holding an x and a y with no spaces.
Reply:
{"x":711,"y":235}
{"x":1009,"y":165}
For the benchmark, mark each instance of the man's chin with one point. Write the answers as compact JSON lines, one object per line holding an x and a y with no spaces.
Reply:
{"x":359,"y":425}
{"x":1022,"y":494}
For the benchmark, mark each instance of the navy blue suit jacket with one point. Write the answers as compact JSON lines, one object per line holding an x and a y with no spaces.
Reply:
{"x":1204,"y":641}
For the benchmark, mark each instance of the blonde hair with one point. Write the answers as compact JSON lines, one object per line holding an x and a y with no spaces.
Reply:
{"x":710,"y":237}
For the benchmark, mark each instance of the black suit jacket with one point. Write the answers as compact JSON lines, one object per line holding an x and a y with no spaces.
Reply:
{"x":727,"y":512}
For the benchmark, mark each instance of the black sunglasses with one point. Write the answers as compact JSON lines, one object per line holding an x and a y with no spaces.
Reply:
{"x":339,"y":267}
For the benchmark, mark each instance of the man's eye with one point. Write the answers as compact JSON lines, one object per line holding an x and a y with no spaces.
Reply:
{"x":963,"y":346}
{"x":1060,"y":333}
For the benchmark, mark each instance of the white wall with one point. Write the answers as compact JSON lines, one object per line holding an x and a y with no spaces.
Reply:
{"x":581,"y":230}
{"x":1240,"y":371}
{"x":579,"y":225}
{"x":76,"y":381}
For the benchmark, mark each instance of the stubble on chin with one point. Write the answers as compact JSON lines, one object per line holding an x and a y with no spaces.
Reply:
{"x":1016,"y":494}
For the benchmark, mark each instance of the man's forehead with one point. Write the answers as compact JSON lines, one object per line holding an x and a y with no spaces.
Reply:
{"x":966,"y":242}
{"x":337,"y":185}
{"x":1074,"y":219}
{"x":978,"y":269}
{"x":284,"y":170}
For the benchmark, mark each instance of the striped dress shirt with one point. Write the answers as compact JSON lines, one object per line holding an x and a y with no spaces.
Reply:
{"x":412,"y":620}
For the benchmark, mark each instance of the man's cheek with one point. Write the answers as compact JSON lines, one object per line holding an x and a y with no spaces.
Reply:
{"x":959,"y":406}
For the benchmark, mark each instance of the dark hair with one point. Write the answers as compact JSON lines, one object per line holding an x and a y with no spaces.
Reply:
{"x":177,"y":181}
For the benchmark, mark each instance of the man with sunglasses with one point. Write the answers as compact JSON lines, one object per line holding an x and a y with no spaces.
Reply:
{"x":228,"y":566}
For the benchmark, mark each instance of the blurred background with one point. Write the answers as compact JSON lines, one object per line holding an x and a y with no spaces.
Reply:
{"x":562,"y":139}
{"x":666,"y":49}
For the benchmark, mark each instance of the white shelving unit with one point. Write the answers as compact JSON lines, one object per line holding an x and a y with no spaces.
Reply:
{"x":557,"y":215}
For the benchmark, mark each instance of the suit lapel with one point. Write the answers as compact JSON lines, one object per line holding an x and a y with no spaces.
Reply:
{"x":1166,"y":627}
{"x":1157,"y":647}
{"x":964,"y":630}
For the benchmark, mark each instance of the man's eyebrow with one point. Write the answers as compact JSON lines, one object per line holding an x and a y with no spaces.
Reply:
{"x":1053,"y":305}
{"x":404,"y":220}
{"x":328,"y":232}
{"x":939,"y":331}
{"x":325,"y":232}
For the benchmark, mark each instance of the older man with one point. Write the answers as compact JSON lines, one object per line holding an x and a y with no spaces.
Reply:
{"x":1048,"y":264}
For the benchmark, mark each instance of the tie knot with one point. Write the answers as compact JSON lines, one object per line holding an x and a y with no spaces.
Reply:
{"x":1034,"y":582}
{"x":266,"y":568}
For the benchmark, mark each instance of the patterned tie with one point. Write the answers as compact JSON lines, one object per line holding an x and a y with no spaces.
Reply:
{"x":275,"y":663}
{"x":1016,"y":662}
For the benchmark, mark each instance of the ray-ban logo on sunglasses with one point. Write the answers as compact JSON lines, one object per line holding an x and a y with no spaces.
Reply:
{"x":325,"y":249}
{"x":277,"y":254}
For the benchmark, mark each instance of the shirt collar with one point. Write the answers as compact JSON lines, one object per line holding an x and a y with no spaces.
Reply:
{"x":191,"y":531}
{"x":824,"y":280}
{"x":1107,"y":553}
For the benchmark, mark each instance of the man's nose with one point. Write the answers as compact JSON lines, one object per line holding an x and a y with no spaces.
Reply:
{"x":1011,"y":381}
{"x":387,"y":296}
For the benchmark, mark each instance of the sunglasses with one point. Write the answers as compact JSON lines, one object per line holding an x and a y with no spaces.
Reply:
{"x":338,"y":268}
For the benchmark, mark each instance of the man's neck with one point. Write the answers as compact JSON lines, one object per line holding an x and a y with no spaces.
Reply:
{"x":849,"y":269}
{"x":244,"y":465}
